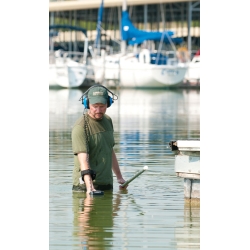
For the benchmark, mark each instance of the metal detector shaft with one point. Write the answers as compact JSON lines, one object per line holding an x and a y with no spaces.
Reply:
{"x":135,"y":176}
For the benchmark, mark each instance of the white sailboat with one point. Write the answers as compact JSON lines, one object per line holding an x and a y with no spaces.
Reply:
{"x":193,"y":73}
{"x":68,"y":69}
{"x":144,"y":68}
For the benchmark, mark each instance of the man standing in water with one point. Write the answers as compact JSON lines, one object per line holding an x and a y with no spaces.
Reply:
{"x":92,"y":143}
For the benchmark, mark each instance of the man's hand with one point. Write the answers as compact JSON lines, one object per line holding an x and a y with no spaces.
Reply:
{"x":121,"y":181}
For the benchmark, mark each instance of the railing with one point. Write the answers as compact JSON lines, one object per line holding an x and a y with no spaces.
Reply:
{"x":64,"y":55}
{"x":163,"y":57}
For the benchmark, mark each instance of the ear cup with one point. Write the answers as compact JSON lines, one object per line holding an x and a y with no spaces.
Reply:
{"x":85,"y":102}
{"x":109,"y":101}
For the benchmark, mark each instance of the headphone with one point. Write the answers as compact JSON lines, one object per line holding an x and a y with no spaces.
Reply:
{"x":85,"y":100}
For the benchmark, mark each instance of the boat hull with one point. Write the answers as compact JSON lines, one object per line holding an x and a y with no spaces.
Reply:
{"x":151,"y":75}
{"x":67,"y":76}
{"x":135,"y":74}
{"x":193,"y":72}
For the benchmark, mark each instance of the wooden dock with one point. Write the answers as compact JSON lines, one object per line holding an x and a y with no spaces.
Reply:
{"x":187,"y":165}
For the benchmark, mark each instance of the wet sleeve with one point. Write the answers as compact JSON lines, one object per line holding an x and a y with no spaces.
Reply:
{"x":78,"y":140}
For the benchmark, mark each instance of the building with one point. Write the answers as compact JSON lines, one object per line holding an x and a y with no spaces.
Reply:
{"x":180,"y":16}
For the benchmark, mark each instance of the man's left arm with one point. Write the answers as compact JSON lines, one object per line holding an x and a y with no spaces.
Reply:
{"x":116,"y":168}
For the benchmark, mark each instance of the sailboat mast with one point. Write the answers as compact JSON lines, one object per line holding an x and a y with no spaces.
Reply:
{"x":97,"y":44}
{"x":123,"y":43}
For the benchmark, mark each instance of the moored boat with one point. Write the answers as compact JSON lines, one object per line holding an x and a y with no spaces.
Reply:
{"x":193,"y":72}
{"x":144,"y":67}
{"x":68,"y":69}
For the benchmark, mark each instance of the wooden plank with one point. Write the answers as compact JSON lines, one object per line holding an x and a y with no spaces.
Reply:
{"x":187,"y":164}
{"x":188,"y":176}
{"x":188,"y":145}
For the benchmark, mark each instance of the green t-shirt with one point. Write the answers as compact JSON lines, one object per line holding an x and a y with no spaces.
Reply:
{"x":100,"y":146}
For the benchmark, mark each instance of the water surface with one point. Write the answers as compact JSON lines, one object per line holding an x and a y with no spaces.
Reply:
{"x":152,"y":213}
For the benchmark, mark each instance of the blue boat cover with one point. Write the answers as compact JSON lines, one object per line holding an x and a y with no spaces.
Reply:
{"x":135,"y":36}
{"x":59,"y":26}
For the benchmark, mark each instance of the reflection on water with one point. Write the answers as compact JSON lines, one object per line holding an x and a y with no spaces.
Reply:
{"x":94,"y":218}
{"x":152,"y":213}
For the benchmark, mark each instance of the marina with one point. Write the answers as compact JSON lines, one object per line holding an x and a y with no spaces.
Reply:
{"x":123,"y":51}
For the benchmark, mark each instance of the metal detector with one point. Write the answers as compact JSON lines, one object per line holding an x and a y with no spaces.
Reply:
{"x":135,"y":176}
{"x":97,"y":192}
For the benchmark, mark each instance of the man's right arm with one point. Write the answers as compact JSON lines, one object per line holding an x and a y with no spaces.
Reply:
{"x":83,"y":160}
{"x":80,"y":149}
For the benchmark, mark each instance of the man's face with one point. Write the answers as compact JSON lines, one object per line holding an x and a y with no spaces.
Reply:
{"x":97,"y":110}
